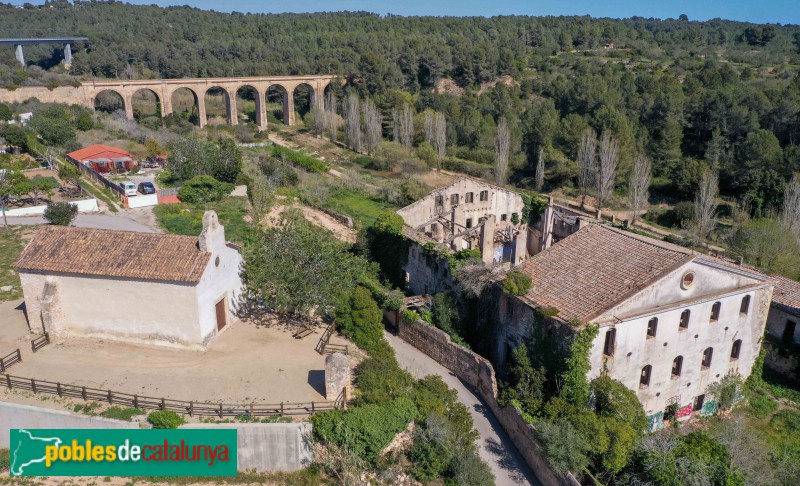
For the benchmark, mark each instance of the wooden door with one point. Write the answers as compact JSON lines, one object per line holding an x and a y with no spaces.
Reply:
{"x":221,"y":314}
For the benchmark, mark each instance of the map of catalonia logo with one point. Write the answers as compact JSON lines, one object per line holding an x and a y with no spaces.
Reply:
{"x":123,"y":452}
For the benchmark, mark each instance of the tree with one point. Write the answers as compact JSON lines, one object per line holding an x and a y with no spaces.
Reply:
{"x":331,"y":118}
{"x":60,"y":213}
{"x":386,"y":245}
{"x":373,"y":129}
{"x":359,"y":318}
{"x":48,"y":156}
{"x":71,"y":174}
{"x":40,"y":186}
{"x":639,"y":185}
{"x":440,"y":138}
{"x":587,"y":163}
{"x":295,"y":267}
{"x":428,"y":126}
{"x":11,"y":184}
{"x":768,"y":245}
{"x":705,"y":205}
{"x":608,"y":158}
{"x":790,"y":214}
{"x":224,"y":160}
{"x":352,"y":122}
{"x":317,"y":119}
{"x":404,"y":126}
{"x":539,"y":181}
{"x":502,"y":149}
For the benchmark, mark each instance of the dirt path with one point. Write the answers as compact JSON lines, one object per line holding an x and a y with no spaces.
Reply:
{"x":314,"y":216}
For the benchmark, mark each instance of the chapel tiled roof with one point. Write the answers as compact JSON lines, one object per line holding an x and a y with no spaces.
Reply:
{"x":125,"y":254}
{"x":786,"y":294}
{"x":595,"y":268}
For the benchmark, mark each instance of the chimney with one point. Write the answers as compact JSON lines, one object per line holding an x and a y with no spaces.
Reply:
{"x":212,"y":238}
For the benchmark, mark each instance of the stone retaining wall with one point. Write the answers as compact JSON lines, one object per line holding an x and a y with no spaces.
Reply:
{"x":477,"y":372}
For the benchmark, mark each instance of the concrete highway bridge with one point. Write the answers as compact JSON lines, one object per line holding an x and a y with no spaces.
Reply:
{"x":164,"y":89}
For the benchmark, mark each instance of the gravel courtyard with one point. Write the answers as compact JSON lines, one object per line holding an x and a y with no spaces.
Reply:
{"x":245,"y":363}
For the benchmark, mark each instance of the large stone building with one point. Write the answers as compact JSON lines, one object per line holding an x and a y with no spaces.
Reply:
{"x":140,"y":287}
{"x":466,"y":214}
{"x":671,"y":321}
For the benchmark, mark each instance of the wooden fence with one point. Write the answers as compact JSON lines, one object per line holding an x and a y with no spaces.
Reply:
{"x":40,"y":342}
{"x":8,"y":361}
{"x":200,"y":409}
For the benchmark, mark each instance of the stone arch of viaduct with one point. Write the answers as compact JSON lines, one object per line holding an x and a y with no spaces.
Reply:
{"x":86,"y":93}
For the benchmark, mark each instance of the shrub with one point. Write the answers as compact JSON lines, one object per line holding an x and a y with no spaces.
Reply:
{"x":727,"y":391}
{"x":365,"y":430}
{"x":121,"y":413}
{"x":787,"y":421}
{"x":468,"y":469}
{"x":762,"y":406}
{"x":61,"y":213}
{"x":565,"y":449}
{"x":203,"y":189}
{"x":410,"y":315}
{"x":516,"y":283}
{"x":379,"y":377}
{"x":165,"y":419}
{"x":613,"y":399}
{"x":359,"y":318}
{"x":307,"y":162}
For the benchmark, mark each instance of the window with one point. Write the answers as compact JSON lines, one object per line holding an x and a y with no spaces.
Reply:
{"x":644,"y":379}
{"x":439,"y":200}
{"x":677,"y":366}
{"x":707,"y":357}
{"x":469,"y":223}
{"x":687,"y":280}
{"x":503,"y":217}
{"x":484,"y":195}
{"x":454,"y":199}
{"x":737,"y":346}
{"x":652,"y":325}
{"x":788,"y":332}
{"x":468,"y":197}
{"x":715,"y":311}
{"x":684,"y":320}
{"x":608,"y":348}
{"x":745,"y":307}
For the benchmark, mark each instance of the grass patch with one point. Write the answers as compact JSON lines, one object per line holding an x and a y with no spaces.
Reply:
{"x":11,"y":245}
{"x":86,"y":408}
{"x":186,"y":219}
{"x":762,"y":406}
{"x":300,"y":159}
{"x":121,"y":413}
{"x":5,"y":459}
{"x":101,"y":194}
{"x":361,"y":207}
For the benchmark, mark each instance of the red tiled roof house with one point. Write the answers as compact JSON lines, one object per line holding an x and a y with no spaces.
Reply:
{"x":103,"y":158}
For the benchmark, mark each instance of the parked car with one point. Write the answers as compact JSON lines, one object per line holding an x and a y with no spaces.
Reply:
{"x":147,"y":188}
{"x":129,"y":188}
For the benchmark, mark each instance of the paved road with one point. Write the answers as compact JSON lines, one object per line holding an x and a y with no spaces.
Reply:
{"x":494,"y":445}
{"x":99,"y":221}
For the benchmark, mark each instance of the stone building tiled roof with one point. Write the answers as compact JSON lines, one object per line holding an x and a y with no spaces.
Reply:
{"x":786,"y":294}
{"x":122,"y":254}
{"x":596,"y":268}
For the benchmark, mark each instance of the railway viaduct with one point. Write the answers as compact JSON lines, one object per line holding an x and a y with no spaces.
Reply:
{"x":163,"y":89}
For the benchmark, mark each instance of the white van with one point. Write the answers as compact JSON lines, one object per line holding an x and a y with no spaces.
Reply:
{"x":129,"y":188}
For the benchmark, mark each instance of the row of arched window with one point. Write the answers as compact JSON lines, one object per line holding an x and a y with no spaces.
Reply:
{"x":677,"y":363}
{"x":652,"y":324}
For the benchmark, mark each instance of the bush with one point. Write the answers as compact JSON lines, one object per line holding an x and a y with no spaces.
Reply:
{"x":61,"y":213}
{"x":787,"y":421}
{"x":121,"y":413}
{"x":379,"y":377}
{"x":359,"y":318}
{"x":762,"y":406}
{"x":564,"y":448}
{"x":307,"y":162}
{"x":516,"y":283}
{"x":165,"y":419}
{"x":365,"y":430}
{"x":203,"y":189}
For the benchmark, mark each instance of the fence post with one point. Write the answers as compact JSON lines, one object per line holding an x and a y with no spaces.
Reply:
{"x":312,"y":407}
{"x":83,"y":393}
{"x":19,"y":356}
{"x":251,"y":409}
{"x":191,"y":408}
{"x":58,"y":389}
{"x":220,"y":410}
{"x":135,"y":401}
{"x":163,"y":405}
{"x":2,"y":366}
{"x":110,"y":399}
{"x":8,"y":381}
{"x":281,"y":408}
{"x":33,"y":385}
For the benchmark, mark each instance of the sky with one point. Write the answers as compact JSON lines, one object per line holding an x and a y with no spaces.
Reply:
{"x":772,"y":11}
